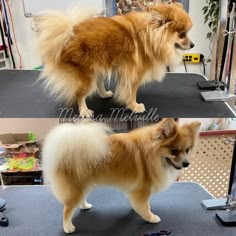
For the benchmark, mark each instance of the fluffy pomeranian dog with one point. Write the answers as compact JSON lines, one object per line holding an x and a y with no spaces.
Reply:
{"x":80,"y":51}
{"x":139,"y":163}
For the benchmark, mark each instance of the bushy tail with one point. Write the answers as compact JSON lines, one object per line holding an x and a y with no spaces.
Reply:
{"x":55,"y":29}
{"x":74,"y":147}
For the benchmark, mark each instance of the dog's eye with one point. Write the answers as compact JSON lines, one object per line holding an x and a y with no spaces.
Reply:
{"x":174,"y":152}
{"x":188,"y":149}
{"x":182,"y":35}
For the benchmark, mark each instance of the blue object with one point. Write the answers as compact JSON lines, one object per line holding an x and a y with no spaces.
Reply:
{"x":2,"y":203}
{"x":110,"y":8}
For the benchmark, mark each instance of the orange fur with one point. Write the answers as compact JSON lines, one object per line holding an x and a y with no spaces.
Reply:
{"x":78,"y":54}
{"x":143,"y":161}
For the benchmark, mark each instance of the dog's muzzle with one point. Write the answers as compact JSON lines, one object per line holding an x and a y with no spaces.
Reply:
{"x":191,"y":45}
{"x":172,"y":164}
{"x":185,"y":164}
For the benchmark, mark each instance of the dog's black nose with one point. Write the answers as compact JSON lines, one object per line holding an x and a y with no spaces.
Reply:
{"x":192,"y":45}
{"x":185,"y":163}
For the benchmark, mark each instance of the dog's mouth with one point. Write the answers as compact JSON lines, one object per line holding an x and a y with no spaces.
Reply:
{"x":172,"y":164}
{"x":177,"y":46}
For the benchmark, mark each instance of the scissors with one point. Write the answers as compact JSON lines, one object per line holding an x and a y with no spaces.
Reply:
{"x":160,"y":233}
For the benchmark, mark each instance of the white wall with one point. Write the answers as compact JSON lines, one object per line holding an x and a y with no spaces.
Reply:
{"x":39,"y":126}
{"x":31,"y":59}
{"x":198,"y":36}
{"x":26,"y":36}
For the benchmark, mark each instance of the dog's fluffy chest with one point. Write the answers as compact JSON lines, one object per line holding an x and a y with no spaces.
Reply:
{"x":166,"y":178}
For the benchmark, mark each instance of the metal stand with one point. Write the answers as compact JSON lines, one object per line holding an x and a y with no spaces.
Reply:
{"x":215,"y":204}
{"x":219,"y":95}
{"x":227,"y":217}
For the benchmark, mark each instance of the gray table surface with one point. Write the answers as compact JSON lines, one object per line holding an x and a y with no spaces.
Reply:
{"x":34,"y":211}
{"x":22,"y":96}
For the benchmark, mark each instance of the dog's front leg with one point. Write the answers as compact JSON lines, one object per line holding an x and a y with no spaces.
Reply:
{"x":84,"y":111}
{"x":132,"y":103}
{"x":140,"y":203}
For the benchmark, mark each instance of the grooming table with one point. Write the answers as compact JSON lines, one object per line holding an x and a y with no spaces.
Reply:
{"x":22,"y":96}
{"x":34,"y":211}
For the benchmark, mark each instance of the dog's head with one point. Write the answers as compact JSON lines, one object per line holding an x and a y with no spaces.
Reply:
{"x":175,"y":22}
{"x":176,"y":143}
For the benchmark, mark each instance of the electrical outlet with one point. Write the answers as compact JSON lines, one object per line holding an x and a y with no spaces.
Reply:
{"x":192,"y":58}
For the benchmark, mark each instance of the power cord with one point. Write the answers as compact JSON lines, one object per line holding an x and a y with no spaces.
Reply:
{"x":185,"y":67}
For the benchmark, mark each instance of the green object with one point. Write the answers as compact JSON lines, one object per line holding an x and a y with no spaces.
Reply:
{"x":31,"y":137}
{"x":38,"y":68}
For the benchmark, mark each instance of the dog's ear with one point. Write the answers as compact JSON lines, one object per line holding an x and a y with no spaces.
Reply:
{"x":159,"y":14}
{"x":164,"y":13}
{"x":167,"y":128}
{"x":195,"y":126}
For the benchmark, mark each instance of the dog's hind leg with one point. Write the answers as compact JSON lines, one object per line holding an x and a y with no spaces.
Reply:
{"x":74,"y":198}
{"x":101,"y":89}
{"x":83,"y":91}
{"x":139,"y":200}
{"x":84,"y":205}
{"x":68,"y":211}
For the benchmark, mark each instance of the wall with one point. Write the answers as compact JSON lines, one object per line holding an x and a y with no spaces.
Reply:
{"x":198,"y":36}
{"x":39,"y":127}
{"x":26,"y":36}
{"x":31,"y":59}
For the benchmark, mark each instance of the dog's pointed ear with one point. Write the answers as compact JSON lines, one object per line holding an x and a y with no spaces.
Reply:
{"x":167,"y":128}
{"x":159,"y":13}
{"x":195,"y":126}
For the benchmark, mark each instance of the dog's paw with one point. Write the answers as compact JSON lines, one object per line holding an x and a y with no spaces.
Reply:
{"x":70,"y":228}
{"x":86,"y":206}
{"x":154,"y":219}
{"x":87,"y":113}
{"x":108,"y":94}
{"x":138,"y":108}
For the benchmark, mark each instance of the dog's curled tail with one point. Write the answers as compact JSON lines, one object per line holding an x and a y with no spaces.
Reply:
{"x":56,"y":28}
{"x":74,"y":149}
